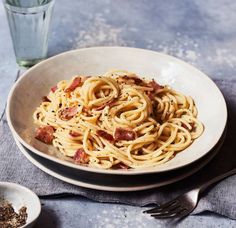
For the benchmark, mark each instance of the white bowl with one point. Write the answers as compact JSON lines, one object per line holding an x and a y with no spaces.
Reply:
{"x":27,"y":93}
{"x":20,"y":196}
{"x":119,"y":183}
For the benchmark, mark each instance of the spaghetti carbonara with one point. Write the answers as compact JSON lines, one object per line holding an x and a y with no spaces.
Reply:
{"x":117,"y":120}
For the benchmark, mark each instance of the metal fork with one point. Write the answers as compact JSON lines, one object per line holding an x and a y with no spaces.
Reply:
{"x":184,"y":204}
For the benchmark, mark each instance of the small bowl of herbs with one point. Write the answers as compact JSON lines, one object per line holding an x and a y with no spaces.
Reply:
{"x":19,"y":206}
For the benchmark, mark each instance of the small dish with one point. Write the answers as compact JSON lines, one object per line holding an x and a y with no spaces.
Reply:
{"x":19,"y":196}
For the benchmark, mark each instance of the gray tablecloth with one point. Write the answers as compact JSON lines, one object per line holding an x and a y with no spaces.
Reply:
{"x":221,"y":198}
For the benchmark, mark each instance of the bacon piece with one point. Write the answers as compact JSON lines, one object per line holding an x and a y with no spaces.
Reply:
{"x":155,"y":85}
{"x":53,"y":89}
{"x":68,"y":113}
{"x":45,"y":134}
{"x":192,"y":125}
{"x":76,"y":82}
{"x":185,"y":126}
{"x":123,"y":134}
{"x":81,"y":157}
{"x":105,"y":135}
{"x":74,"y":134}
{"x":121,"y":165}
{"x":151,"y":95}
{"x":135,"y":79}
{"x":45,"y":99}
{"x":132,"y":79}
{"x":110,"y":103}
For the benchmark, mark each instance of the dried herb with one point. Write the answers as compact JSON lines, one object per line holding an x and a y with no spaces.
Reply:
{"x":9,"y":218}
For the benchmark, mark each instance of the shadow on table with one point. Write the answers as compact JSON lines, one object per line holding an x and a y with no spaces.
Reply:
{"x":47,"y":218}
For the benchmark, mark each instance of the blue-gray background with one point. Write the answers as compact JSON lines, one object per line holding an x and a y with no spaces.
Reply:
{"x":201,"y":32}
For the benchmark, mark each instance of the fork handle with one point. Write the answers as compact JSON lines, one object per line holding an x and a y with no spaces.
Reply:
{"x":216,"y":179}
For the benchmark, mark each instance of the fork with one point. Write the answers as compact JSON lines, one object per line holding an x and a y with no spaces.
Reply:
{"x":186,"y":203}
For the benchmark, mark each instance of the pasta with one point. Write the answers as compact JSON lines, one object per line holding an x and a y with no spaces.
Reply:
{"x":117,"y":120}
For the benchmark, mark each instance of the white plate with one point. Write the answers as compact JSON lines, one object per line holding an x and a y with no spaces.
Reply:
{"x":119,"y":183}
{"x":26,"y":95}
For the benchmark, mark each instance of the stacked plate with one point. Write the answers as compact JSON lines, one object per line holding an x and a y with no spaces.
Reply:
{"x":27,"y":93}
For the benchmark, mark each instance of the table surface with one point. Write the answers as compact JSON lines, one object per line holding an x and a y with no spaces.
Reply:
{"x":201,"y":32}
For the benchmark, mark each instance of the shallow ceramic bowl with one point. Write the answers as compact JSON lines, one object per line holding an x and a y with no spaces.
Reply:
{"x":35,"y":83}
{"x":120,"y":183}
{"x":20,"y":196}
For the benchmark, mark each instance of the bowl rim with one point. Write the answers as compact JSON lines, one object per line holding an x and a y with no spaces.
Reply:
{"x":34,"y":199}
{"x":109,"y":171}
{"x":196,"y":167}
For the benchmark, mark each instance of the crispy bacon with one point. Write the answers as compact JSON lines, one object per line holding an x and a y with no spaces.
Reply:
{"x":134,"y":78}
{"x":155,"y":87}
{"x":53,"y":89}
{"x":185,"y":126}
{"x":123,"y":134}
{"x":150,"y":95}
{"x":68,"y":113}
{"x":45,"y":134}
{"x":81,"y":157}
{"x":153,"y":84}
{"x":121,"y":165}
{"x":105,"y":135}
{"x":193,"y":127}
{"x":74,"y":133}
{"x":110,"y":103}
{"x":45,"y":99}
{"x":76,"y":82}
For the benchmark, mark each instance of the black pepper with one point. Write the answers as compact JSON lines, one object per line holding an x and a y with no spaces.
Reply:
{"x":9,"y":218}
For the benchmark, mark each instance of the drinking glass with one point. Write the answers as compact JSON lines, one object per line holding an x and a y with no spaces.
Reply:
{"x":29,"y":22}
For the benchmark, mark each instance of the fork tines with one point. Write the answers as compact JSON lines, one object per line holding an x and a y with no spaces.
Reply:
{"x":170,"y":209}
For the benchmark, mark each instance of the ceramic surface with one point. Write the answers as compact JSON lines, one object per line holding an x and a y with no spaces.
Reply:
{"x":118,"y":183}
{"x":27,"y":94}
{"x":20,"y":196}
